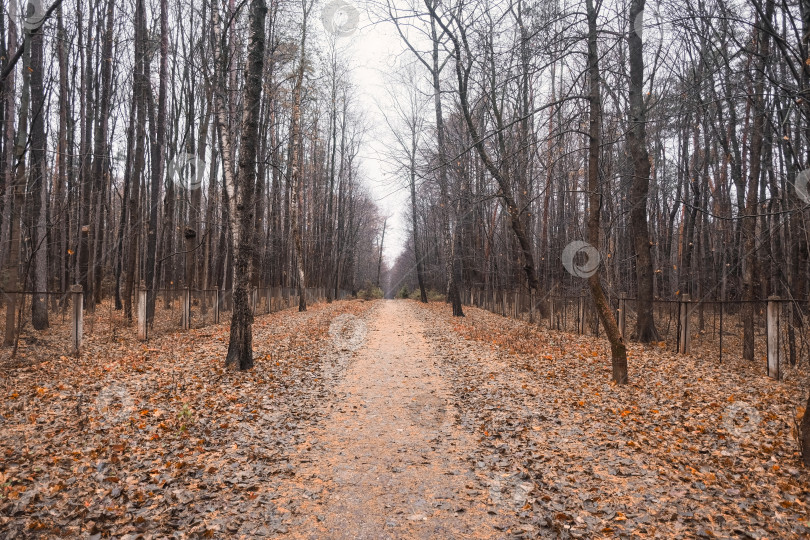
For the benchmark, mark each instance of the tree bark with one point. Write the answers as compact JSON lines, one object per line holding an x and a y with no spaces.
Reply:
{"x":414,"y":219}
{"x":380,"y":259}
{"x":16,"y":184}
{"x":37,"y":187}
{"x":804,"y":434}
{"x":749,"y":219}
{"x":618,"y":349}
{"x":158,"y":151}
{"x":241,"y":190}
{"x":460,"y":49}
{"x":101,"y":157}
{"x":294,"y":177}
{"x":637,"y":148}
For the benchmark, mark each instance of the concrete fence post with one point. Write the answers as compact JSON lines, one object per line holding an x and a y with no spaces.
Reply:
{"x":77,"y":319}
{"x":773,"y":336}
{"x":581,"y":315}
{"x":185,"y":317}
{"x":143,"y":325}
{"x":684,"y":335}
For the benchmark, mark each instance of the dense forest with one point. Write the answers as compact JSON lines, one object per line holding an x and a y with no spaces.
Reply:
{"x":669,"y":139}
{"x":651,"y":150}
{"x":125,"y":127}
{"x":405,"y":268}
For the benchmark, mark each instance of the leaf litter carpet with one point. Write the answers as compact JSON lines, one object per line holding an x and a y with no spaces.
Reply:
{"x":391,"y":419}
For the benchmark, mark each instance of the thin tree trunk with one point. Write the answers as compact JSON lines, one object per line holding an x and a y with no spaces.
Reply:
{"x":450,"y":267}
{"x":294,"y":179}
{"x":637,"y":147}
{"x":749,"y":221}
{"x":379,"y":260}
{"x":16,"y":182}
{"x":240,"y":190}
{"x":618,"y":349}
{"x":414,"y":220}
{"x":158,"y":152}
{"x":37,"y":187}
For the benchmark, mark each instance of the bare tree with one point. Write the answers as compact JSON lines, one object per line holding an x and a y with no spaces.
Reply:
{"x":637,"y":148}
{"x":241,"y":194}
{"x":618,"y":349}
{"x":294,"y":179}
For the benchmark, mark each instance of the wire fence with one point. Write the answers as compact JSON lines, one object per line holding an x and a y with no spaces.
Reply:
{"x":710,"y":328}
{"x":65,"y":318}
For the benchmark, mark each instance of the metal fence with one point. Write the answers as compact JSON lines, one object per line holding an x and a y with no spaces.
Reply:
{"x":706,"y":327}
{"x":71,"y":319}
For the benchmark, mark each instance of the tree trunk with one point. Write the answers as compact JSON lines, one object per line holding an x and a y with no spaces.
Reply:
{"x":506,"y":194}
{"x":140,"y":81}
{"x":37,"y":187}
{"x":16,"y":184}
{"x":414,"y":220}
{"x":294,"y":178}
{"x":380,"y":258}
{"x":101,"y":157}
{"x":241,"y":190}
{"x":618,"y":349}
{"x":158,"y":152}
{"x":751,"y":206}
{"x":637,"y":148}
{"x":450,"y":264}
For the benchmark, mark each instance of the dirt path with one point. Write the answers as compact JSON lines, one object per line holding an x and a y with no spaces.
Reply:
{"x":391,"y":419}
{"x":389,"y":460}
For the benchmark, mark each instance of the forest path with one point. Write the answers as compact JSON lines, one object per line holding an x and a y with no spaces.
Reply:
{"x":388,"y":460}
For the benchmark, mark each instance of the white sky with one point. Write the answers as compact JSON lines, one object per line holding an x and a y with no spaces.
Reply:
{"x":374,"y":51}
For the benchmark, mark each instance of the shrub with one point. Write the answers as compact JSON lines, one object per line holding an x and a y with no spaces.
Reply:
{"x":432,"y":295}
{"x":370,"y":293}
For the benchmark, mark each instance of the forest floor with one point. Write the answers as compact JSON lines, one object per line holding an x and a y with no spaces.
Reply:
{"x":391,"y":419}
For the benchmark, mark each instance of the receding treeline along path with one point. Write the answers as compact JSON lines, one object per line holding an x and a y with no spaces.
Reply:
{"x":391,"y":419}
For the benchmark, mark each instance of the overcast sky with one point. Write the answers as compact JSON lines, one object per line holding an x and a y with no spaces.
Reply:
{"x":374,"y":52}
